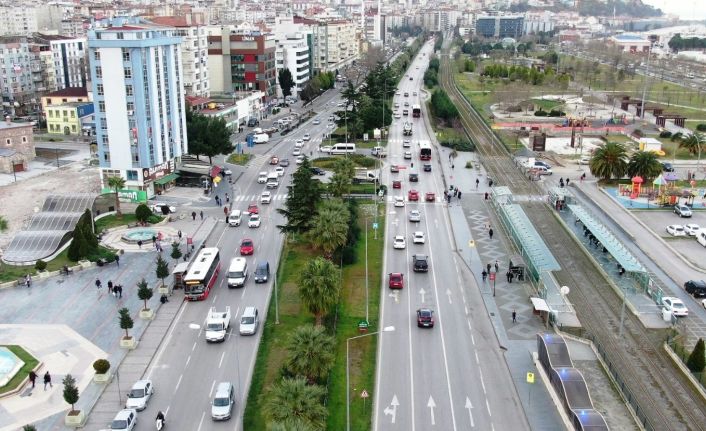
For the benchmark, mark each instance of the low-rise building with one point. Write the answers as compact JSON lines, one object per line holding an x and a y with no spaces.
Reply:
{"x":16,"y":146}
{"x":70,"y":119}
{"x":67,"y":95}
{"x":631,"y":43}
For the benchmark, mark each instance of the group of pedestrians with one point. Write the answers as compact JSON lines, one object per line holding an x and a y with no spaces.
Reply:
{"x":47,"y":379}
{"x":113,"y":289}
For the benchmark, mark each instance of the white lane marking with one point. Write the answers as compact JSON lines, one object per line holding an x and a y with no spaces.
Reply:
{"x":392,"y":410}
{"x":488,"y":406}
{"x":213,"y":385}
{"x":448,"y":293}
{"x":221,"y":361}
{"x":165,"y":342}
{"x":203,"y":415}
{"x":193,"y":347}
{"x":477,"y":359}
{"x":187,"y":361}
{"x":176,"y":388}
{"x":469,"y":407}
{"x":432,"y":405}
{"x":482,"y":380}
{"x":465,"y":310}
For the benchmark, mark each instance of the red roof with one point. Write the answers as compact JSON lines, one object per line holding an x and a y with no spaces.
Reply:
{"x":171,"y":21}
{"x":196,"y":100}
{"x":69,"y":92}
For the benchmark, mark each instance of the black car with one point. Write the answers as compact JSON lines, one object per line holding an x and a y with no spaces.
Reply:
{"x":253,"y":122}
{"x":695,"y":287}
{"x":413,"y":178}
{"x":317,"y":171}
{"x":667,"y":167}
{"x":427,"y":167}
{"x":262,"y":273}
{"x":420,"y":263}
{"x":425,"y":318}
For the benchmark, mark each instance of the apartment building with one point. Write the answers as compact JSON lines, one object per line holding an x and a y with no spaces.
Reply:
{"x":294,"y":53}
{"x":69,"y":61}
{"x":242,"y":60}
{"x":19,"y":20}
{"x":138,"y":96}
{"x":17,"y":87}
{"x":335,"y":42}
{"x":500,"y":26}
{"x":194,"y":51}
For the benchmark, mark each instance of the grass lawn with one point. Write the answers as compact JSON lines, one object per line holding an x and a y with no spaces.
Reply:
{"x":112,"y":221}
{"x":240,"y":159}
{"x":363,"y":188}
{"x":11,"y":272}
{"x":547,"y":104}
{"x":30,"y":363}
{"x":271,"y":354}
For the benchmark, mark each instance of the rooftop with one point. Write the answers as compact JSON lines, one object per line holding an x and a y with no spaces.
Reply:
{"x":629,"y":38}
{"x":69,"y":92}
{"x":4,"y":125}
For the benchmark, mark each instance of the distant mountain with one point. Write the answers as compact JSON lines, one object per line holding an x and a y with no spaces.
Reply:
{"x":632,"y":8}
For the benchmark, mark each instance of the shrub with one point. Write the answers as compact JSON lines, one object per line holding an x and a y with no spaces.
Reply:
{"x":29,"y":428}
{"x":696,"y":361}
{"x":143,"y":212}
{"x":638,"y":133}
{"x":469,"y":165}
{"x":459,"y":145}
{"x":101,"y":366}
{"x":701,"y":127}
{"x":540,"y":113}
{"x":144,"y":292}
{"x":40,"y":265}
{"x":556,"y":113}
{"x":154,"y":219}
{"x":665,"y":134}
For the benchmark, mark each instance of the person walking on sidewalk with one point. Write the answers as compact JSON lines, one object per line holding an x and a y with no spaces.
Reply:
{"x":28,"y":280}
{"x":484,"y":274}
{"x":98,"y":284}
{"x":497,"y":266}
{"x":514,"y":316}
{"x":490,"y":233}
{"x":47,"y":381}
{"x":459,"y":194}
{"x":118,"y":291}
{"x":486,"y":196}
{"x":117,"y":260}
{"x":201,"y":214}
{"x":179,"y":232}
{"x":477,"y":182}
{"x":110,"y":286}
{"x":193,"y":215}
{"x":488,"y":267}
{"x":32,"y":377}
{"x":508,"y":274}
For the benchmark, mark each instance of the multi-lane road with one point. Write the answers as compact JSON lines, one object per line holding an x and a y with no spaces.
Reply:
{"x":452,"y":376}
{"x":186,"y":369}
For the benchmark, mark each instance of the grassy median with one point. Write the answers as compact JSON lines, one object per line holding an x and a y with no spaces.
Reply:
{"x":272,"y":353}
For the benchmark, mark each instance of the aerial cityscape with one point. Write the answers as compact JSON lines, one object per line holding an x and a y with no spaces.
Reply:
{"x":353,"y":215}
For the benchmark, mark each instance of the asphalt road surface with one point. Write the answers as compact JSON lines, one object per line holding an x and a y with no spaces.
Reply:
{"x":452,"y":376}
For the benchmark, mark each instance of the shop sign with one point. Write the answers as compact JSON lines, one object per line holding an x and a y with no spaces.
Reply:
{"x":158,"y":171}
{"x":126,"y":195}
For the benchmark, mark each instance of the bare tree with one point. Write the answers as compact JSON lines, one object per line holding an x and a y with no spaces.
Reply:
{"x":372,"y":57}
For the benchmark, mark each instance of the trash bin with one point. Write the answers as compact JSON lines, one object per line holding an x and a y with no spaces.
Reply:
{"x":666,"y":315}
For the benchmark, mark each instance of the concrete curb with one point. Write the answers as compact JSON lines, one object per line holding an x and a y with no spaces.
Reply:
{"x":682,"y":367}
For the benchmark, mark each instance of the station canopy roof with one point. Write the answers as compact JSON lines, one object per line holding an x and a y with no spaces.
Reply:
{"x":532,"y":244}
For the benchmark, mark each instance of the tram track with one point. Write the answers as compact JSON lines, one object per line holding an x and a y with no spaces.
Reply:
{"x":660,"y":394}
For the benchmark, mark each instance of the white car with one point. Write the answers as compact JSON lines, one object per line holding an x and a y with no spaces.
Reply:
{"x":254,"y":220}
{"x":306,"y":137}
{"x":262,"y":178}
{"x":415,"y":215}
{"x":157,"y":208}
{"x":675,"y":306}
{"x":676,"y":230}
{"x":265,"y":197}
{"x":397,"y":105}
{"x":139,"y":395}
{"x":297,"y":152}
{"x":280,"y":171}
{"x":125,"y":420}
{"x":316,"y":122}
{"x":325,"y":149}
{"x":399,"y":242}
{"x":406,"y":144}
{"x":414,"y":94}
{"x":692,"y":229}
{"x":399,"y":201}
{"x":419,"y":238}
{"x":703,"y":303}
{"x":299,"y":143}
{"x":407,"y":155}
{"x":300,"y":160}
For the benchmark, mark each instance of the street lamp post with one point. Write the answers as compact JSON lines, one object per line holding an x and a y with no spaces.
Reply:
{"x":366,"y":271}
{"x":348,"y":371}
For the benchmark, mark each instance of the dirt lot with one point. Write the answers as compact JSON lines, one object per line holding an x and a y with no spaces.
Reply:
{"x":22,"y":199}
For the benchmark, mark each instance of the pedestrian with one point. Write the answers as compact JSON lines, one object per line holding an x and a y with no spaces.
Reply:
{"x":119,"y":288}
{"x":455,"y":192}
{"x":459,"y":194}
{"x":484,"y":274}
{"x":486,"y":196}
{"x":225,"y":211}
{"x":446,"y":194}
{"x":497,"y":266}
{"x":117,"y":260}
{"x":514,"y":316}
{"x":507,"y":275}
{"x":449,"y":198}
{"x":110,"y":286}
{"x":488,"y":268}
{"x":490,"y":183}
{"x":47,"y":381}
{"x":98,"y":284}
{"x":28,"y":280}
{"x":227,"y":198}
{"x":139,"y":244}
{"x":567,"y":182}
{"x":159,"y":247}
{"x":452,"y":166}
{"x":201,"y":214}
{"x":490,"y":233}
{"x":512,"y":275}
{"x":193,"y":215}
{"x":179,"y":233}
{"x":32,"y":377}
{"x":561,"y":181}
{"x":477,"y":181}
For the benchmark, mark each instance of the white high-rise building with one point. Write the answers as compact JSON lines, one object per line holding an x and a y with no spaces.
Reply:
{"x":69,"y":56}
{"x":136,"y":73}
{"x":293,"y":53}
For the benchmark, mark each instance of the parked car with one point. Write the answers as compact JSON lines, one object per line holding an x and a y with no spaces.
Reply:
{"x":284,"y":163}
{"x":682,"y":210}
{"x":667,"y":167}
{"x":692,"y":229}
{"x":676,"y":230}
{"x":139,"y":395}
{"x":317,"y":171}
{"x":125,"y":420}
{"x":396,"y":280}
{"x":425,"y":318}
{"x":162,"y":208}
{"x":427,"y":167}
{"x":697,"y":288}
{"x":675,"y":306}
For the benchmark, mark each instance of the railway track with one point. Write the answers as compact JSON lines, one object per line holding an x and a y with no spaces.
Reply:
{"x":661,"y":396}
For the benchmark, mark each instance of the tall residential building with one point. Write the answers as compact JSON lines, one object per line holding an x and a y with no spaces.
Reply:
{"x":18,"y":20}
{"x":335,"y":43}
{"x":293,"y":53}
{"x":241,"y":60}
{"x":500,"y":26}
{"x":194,"y":52}
{"x":17,"y":87}
{"x":138,"y":96}
{"x":69,"y":61}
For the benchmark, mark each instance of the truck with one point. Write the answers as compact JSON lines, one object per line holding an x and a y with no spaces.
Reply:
{"x":261,"y":138}
{"x":364,"y":176}
{"x":407,"y":129}
{"x":379,"y":152}
{"x":217,"y":324}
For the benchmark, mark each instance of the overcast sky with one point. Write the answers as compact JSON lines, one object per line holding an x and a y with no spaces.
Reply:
{"x":686,"y":9}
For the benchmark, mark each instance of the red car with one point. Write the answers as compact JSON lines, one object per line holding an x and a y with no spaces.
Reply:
{"x":430,"y":197}
{"x":396,"y":280}
{"x":247,"y":247}
{"x":397,"y":184}
{"x":252,"y":209}
{"x":274,"y":160}
{"x":413,"y":195}
{"x":425,"y":318}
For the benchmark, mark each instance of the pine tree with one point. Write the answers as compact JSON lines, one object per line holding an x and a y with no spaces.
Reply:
{"x":162,"y":269}
{"x":176,"y":251}
{"x":126,"y":321}
{"x":70,"y":391}
{"x":696,"y":361}
{"x":144,"y":292}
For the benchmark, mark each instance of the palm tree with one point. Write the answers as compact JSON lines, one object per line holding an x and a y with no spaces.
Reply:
{"x":3,"y":224}
{"x":344,"y":171}
{"x":692,"y":143}
{"x":329,"y":229}
{"x":609,"y":161}
{"x":311,"y":353}
{"x":292,"y":400}
{"x":289,"y":425}
{"x":116,"y":183}
{"x":645,"y":165}
{"x":319,"y":287}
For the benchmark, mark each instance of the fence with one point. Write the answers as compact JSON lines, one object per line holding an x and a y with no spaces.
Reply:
{"x":683,"y":354}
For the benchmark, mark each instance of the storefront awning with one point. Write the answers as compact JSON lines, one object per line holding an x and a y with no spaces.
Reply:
{"x":166,"y":179}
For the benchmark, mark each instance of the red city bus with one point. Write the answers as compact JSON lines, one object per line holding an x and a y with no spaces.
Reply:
{"x":424,"y":150}
{"x":203,"y":274}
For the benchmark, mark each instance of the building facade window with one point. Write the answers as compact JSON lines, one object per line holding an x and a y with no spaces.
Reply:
{"x":127,"y":71}
{"x":99,"y":89}
{"x":101,"y":106}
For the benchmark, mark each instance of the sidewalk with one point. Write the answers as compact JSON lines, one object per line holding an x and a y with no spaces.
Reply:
{"x":77,"y":324}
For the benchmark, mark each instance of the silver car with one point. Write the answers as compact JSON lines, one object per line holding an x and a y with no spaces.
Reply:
{"x":222,"y":406}
{"x":415,"y":216}
{"x":139,"y":395}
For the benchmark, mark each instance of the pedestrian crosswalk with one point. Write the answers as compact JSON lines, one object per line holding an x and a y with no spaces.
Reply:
{"x":256,"y":198}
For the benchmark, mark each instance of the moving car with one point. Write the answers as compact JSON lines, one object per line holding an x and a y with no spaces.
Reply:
{"x":299,"y":160}
{"x":396,"y":280}
{"x":420,"y":263}
{"x":284,"y":163}
{"x":675,"y":306}
{"x":254,"y":220}
{"x":413,"y":195}
{"x":306,"y":137}
{"x":297,"y":152}
{"x":125,"y":420}
{"x":418,"y":237}
{"x":430,"y":197}
{"x":413,"y":177}
{"x":692,"y":229}
{"x":399,"y":242}
{"x":316,"y":122}
{"x":279,"y":170}
{"x":265,"y":197}
{"x":682,"y":210}
{"x":222,"y":406}
{"x":397,"y":184}
{"x":394,"y":169}
{"x":425,"y":318}
{"x":427,"y":167}
{"x":274,"y":160}
{"x":262,"y":272}
{"x":139,"y":395}
{"x":676,"y":230}
{"x":253,"y":209}
{"x":262,"y":178}
{"x":415,"y":215}
{"x":406,"y":144}
{"x":399,"y":201}
{"x":249,"y":321}
{"x":162,"y":208}
{"x":234,"y":218}
{"x":408,"y":155}
{"x":317,"y":171}
{"x":247,"y":246}
{"x":696,"y":288}
{"x":299,"y":143}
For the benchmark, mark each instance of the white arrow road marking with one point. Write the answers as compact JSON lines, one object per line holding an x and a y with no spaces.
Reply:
{"x":392,"y":409}
{"x":422,"y":292}
{"x":396,"y":296}
{"x":432,"y":405}
{"x":448,"y":293}
{"x":469,"y":406}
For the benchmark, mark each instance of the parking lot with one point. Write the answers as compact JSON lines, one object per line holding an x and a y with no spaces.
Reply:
{"x":658,"y":220}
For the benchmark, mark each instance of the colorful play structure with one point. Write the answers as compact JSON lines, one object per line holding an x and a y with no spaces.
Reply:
{"x":618,"y":119}
{"x":664,"y":190}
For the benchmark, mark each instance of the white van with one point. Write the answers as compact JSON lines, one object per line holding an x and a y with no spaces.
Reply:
{"x":339,"y":149}
{"x":701,"y":237}
{"x":234,"y":218}
{"x":237,"y":272}
{"x":249,"y":321}
{"x":272,"y":180}
{"x":262,"y":177}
